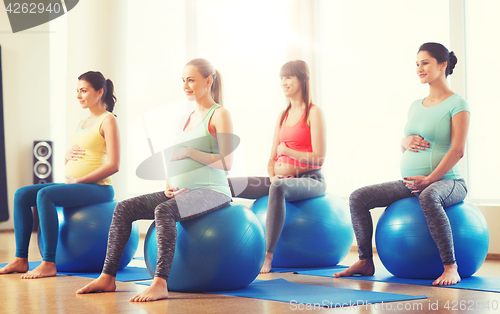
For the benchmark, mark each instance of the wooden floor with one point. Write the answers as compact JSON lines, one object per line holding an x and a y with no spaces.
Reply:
{"x":57,"y":294}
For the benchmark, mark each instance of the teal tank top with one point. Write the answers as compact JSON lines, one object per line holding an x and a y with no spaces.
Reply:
{"x":434,"y":125}
{"x":190,"y":174}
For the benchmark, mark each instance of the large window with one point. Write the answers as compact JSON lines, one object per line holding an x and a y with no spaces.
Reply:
{"x":245,"y":40}
{"x":366,"y":81}
{"x":482,"y":79}
{"x":362,"y":58}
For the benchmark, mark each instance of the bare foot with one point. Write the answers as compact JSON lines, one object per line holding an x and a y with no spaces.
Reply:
{"x":104,"y":283}
{"x":363,"y":267}
{"x":267,"y":263}
{"x":157,"y":291}
{"x":18,"y":265}
{"x":449,"y":276}
{"x":45,"y":269}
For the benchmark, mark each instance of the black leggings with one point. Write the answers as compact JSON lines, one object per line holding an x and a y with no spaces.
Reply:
{"x":165,"y":212}
{"x":433,"y":200}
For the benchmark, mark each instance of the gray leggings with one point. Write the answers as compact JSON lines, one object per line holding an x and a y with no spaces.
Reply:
{"x":165,"y":212}
{"x":433,"y":200}
{"x":307,"y":185}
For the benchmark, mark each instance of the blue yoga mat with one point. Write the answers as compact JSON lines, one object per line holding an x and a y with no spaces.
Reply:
{"x":316,"y":296}
{"x":489,"y":284}
{"x":309,"y":295}
{"x":32,"y":265}
{"x":296,"y":270}
{"x":145,"y":282}
{"x":129,"y":273}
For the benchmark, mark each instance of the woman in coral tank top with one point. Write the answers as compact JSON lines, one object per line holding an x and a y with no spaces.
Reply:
{"x":297,"y":154}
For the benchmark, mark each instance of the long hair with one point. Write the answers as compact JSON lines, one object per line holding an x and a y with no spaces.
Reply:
{"x":207,"y":69}
{"x":97,"y":80}
{"x":299,"y":69}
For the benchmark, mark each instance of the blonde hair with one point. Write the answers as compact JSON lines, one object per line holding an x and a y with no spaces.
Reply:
{"x":207,"y":69}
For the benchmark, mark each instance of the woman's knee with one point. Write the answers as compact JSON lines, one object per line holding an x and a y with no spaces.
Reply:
{"x":122,"y":209}
{"x":21,"y":193}
{"x":357,"y":198}
{"x":44,"y":195}
{"x":166,"y":210}
{"x":429,"y":196}
{"x":277,"y":188}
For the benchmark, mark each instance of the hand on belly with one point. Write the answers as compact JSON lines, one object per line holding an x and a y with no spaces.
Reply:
{"x":284,"y":169}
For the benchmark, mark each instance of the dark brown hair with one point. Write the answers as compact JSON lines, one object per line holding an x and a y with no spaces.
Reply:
{"x":97,"y":80}
{"x":441,"y":54}
{"x":299,"y":69}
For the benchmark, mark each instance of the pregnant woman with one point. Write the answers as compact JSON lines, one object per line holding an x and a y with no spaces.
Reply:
{"x":92,"y":159}
{"x":297,"y":154}
{"x":196,"y":183}
{"x":435,"y":136}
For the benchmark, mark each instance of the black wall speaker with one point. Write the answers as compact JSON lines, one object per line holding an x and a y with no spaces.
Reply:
{"x":4,"y":208}
{"x":42,"y":162}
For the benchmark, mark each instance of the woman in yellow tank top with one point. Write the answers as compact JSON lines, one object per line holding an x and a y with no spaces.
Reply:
{"x":92,"y":159}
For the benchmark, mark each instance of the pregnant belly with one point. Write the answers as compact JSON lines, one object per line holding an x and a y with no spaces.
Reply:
{"x":416,"y":163}
{"x":286,"y":169}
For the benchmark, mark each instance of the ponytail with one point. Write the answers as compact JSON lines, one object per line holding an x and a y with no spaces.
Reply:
{"x":207,"y":69}
{"x":216,"y":88}
{"x":97,"y":80}
{"x":108,"y":97}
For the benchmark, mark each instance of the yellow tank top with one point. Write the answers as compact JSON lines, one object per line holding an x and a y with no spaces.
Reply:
{"x":94,"y":144}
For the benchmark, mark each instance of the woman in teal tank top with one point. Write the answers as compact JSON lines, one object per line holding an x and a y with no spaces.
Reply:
{"x":434,"y":142}
{"x":196,"y":184}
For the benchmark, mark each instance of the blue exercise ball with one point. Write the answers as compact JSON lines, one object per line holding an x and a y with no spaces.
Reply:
{"x":83,"y":238}
{"x":317,"y":231}
{"x":407,"y":250}
{"x":222,"y":250}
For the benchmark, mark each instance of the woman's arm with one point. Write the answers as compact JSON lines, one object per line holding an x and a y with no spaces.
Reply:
{"x":222,"y":123}
{"x":459,"y":130}
{"x":109,"y":130}
{"x":274,"y":149}
{"x":318,"y":141}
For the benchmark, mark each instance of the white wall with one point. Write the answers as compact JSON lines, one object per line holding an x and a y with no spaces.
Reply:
{"x":26,"y":101}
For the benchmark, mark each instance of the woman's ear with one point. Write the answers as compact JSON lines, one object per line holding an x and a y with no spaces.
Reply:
{"x":210,"y":81}
{"x":443,"y":66}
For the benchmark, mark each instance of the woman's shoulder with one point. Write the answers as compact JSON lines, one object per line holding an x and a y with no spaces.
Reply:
{"x":220,"y":116}
{"x":108,"y":118}
{"x":221,"y":112}
{"x":457,"y":104}
{"x":456,"y":98}
{"x":315,"y":112}
{"x":315,"y":109}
